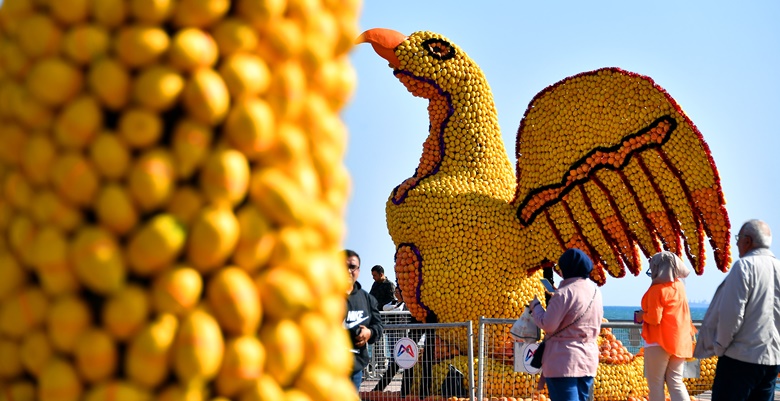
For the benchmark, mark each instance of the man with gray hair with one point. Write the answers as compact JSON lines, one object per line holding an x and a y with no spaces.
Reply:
{"x":742,"y":323}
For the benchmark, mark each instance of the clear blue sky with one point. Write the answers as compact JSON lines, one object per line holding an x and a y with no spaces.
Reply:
{"x":719,"y":60}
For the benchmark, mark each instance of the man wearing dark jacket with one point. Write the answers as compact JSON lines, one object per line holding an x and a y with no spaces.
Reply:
{"x":363,"y":321}
{"x":382,"y":289}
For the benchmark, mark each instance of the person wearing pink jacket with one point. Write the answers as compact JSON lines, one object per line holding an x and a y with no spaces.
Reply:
{"x":571,"y":324}
{"x":666,"y":327}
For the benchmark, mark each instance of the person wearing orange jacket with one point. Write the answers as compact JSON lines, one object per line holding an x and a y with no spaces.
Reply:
{"x":666,"y":327}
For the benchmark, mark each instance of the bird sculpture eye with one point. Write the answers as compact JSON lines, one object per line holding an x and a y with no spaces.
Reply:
{"x":439,"y":49}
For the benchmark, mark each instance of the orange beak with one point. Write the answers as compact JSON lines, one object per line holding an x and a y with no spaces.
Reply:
{"x":384,"y":41}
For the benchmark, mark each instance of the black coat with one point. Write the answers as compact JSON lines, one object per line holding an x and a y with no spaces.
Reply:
{"x":383,"y":291}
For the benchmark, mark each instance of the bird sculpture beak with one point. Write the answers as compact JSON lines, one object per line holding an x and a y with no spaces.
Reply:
{"x":384,"y":41}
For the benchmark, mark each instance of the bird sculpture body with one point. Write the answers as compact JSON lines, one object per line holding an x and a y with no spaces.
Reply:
{"x":607,"y":162}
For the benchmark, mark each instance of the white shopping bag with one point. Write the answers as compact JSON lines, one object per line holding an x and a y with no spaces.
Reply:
{"x":525,"y":329}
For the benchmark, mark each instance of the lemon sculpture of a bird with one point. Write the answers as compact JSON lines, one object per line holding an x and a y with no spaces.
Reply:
{"x":607,"y":162}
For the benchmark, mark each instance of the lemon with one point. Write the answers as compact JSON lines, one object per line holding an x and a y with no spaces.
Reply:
{"x":263,"y":389}
{"x":156,"y":245}
{"x":21,"y":234}
{"x":234,"y":299}
{"x":138,"y":45}
{"x":95,"y":355}
{"x":20,"y":390}
{"x":17,"y":190}
{"x":148,"y":354}
{"x":67,"y":318}
{"x":242,"y":365}
{"x":15,"y":61}
{"x":59,"y":381}
{"x":70,"y":12}
{"x":250,"y":127}
{"x":39,"y":36}
{"x":233,"y":35}
{"x":255,"y":241}
{"x":213,"y":237}
{"x":157,"y":87}
{"x":284,"y":292}
{"x":198,"y":348}
{"x":286,"y":42}
{"x":31,"y":112}
{"x":54,"y":81}
{"x":13,"y":139}
{"x":12,"y":11}
{"x":74,"y":178}
{"x":98,"y":260}
{"x":177,"y":290}
{"x":139,"y":127}
{"x":115,"y":209}
{"x":78,"y":122}
{"x":87,"y":42}
{"x":260,"y":13}
{"x":12,"y":275}
{"x":35,"y":351}
{"x":125,"y":312}
{"x":283,"y":340}
{"x":48,"y":208}
{"x":206,"y":97}
{"x":110,"y":155}
{"x":287,"y":92}
{"x":199,"y":13}
{"x":191,"y":143}
{"x":50,"y":258}
{"x":185,"y":204}
{"x":224,"y":176}
{"x":23,"y":312}
{"x":117,"y":390}
{"x":190,"y":390}
{"x":245,"y":75}
{"x":109,"y":13}
{"x":109,"y":80}
{"x":151,"y":179}
{"x":191,"y":49}
{"x":152,"y":12}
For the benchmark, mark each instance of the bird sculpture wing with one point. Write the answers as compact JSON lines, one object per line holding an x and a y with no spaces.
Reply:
{"x":610,"y":164}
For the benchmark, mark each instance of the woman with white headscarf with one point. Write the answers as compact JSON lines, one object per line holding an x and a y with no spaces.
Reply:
{"x":666,"y":327}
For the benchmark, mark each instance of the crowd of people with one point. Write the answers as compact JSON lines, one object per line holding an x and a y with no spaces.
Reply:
{"x":741,"y":326}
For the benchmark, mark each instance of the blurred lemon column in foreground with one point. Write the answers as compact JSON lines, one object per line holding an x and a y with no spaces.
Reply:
{"x":172,"y":192}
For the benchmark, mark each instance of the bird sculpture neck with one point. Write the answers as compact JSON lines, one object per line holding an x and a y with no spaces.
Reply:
{"x":464,"y":139}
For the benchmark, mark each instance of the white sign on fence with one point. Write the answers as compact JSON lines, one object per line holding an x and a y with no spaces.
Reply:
{"x":406,"y":353}
{"x":524,"y":352}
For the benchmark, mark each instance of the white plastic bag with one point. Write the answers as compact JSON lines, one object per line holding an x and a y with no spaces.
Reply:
{"x":525,"y":329}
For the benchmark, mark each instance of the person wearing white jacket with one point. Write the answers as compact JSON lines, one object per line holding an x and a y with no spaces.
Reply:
{"x":742,"y":323}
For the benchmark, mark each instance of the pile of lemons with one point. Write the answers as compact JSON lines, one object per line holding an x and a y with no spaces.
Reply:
{"x":172,"y":193}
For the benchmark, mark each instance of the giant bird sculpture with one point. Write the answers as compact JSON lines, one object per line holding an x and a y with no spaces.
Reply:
{"x":607,"y":162}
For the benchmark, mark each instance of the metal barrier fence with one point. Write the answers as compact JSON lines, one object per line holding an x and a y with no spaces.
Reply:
{"x":442,"y":367}
{"x":445,"y":344}
{"x":496,"y":376}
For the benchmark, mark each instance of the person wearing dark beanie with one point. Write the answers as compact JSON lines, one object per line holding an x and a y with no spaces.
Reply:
{"x":575,"y":263}
{"x":571,"y":324}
